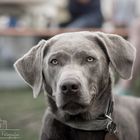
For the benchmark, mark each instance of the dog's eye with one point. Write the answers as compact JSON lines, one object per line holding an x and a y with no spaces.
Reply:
{"x":90,"y":59}
{"x":54,"y":61}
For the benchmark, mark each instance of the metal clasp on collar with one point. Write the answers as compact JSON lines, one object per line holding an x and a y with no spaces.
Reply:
{"x":111,"y":126}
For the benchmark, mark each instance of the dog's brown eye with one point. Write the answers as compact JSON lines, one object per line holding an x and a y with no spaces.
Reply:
{"x":54,"y":61}
{"x":90,"y":59}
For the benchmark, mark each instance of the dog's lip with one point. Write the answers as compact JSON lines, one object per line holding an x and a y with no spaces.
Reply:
{"x":73,"y":106}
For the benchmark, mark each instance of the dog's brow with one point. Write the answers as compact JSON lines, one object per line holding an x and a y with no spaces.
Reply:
{"x":59,"y":54}
{"x":85,"y":53}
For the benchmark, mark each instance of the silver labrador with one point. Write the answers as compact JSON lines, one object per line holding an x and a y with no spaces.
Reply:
{"x":74,"y":69}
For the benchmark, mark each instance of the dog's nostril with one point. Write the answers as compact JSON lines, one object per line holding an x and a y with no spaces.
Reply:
{"x":74,"y":87}
{"x":64,"y":88}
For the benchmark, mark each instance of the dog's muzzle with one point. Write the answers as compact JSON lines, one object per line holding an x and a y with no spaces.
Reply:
{"x":70,"y":92}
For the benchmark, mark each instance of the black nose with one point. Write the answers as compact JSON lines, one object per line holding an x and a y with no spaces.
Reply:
{"x":70,"y":87}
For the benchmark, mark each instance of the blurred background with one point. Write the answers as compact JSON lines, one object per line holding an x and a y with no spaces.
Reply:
{"x":24,"y":22}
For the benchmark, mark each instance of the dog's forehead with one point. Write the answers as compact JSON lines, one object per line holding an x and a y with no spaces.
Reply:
{"x":72,"y":42}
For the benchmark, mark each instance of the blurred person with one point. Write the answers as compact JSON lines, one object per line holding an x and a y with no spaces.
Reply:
{"x":121,"y":13}
{"x":84,"y":13}
{"x":124,"y":12}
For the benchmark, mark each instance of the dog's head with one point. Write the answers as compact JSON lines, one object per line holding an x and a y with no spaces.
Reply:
{"x":74,"y":67}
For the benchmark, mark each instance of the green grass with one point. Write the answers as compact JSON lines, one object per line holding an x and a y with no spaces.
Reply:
{"x":22,"y":112}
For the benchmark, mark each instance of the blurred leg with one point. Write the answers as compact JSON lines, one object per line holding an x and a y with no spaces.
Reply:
{"x":125,"y":86}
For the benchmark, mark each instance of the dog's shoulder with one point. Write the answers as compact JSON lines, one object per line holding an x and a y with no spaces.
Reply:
{"x":126,"y":115}
{"x":127,"y":101}
{"x":52,"y":128}
{"x":47,"y":124}
{"x":127,"y":104}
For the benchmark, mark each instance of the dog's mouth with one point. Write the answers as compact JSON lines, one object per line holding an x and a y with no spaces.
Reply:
{"x":73,"y":107}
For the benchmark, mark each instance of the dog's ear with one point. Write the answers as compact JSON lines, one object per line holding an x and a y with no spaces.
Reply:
{"x":30,"y":66}
{"x":120,"y":52}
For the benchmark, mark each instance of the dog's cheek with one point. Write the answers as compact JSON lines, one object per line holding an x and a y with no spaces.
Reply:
{"x":104,"y":71}
{"x":93,"y":89}
{"x":93,"y":79}
{"x":49,"y":76}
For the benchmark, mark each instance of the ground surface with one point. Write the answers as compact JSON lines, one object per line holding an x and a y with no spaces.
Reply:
{"x":22,"y":112}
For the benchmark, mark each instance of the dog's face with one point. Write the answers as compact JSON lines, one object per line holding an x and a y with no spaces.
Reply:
{"x":74,"y":71}
{"x":74,"y":67}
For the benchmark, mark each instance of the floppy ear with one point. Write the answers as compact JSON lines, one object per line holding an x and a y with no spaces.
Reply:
{"x":29,"y":67}
{"x":120,"y":52}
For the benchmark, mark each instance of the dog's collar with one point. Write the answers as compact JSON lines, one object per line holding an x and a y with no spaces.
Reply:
{"x":103,"y":122}
{"x":91,"y":125}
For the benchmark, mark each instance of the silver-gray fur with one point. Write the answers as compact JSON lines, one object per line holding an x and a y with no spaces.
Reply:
{"x":75,"y":71}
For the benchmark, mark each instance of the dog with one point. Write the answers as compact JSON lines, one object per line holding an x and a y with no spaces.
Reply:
{"x":75,"y":71}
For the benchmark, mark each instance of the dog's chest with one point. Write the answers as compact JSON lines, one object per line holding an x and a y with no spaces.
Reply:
{"x":64,"y":132}
{"x":86,"y":135}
